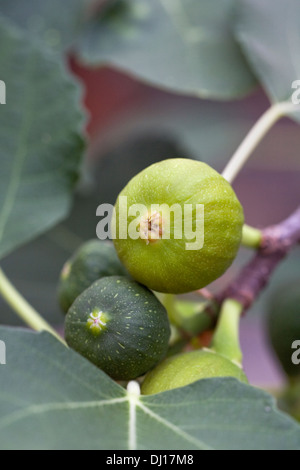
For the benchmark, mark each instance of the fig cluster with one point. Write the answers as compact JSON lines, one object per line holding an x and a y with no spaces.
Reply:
{"x":113,"y":316}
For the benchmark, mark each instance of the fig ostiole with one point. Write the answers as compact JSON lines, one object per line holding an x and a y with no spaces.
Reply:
{"x":284,"y":327}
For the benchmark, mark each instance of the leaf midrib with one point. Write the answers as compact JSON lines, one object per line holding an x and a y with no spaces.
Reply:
{"x":48,"y":407}
{"x":133,"y":402}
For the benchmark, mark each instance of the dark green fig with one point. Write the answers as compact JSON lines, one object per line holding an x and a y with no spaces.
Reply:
{"x":93,"y":260}
{"x":284,"y":327}
{"x":120,"y":326}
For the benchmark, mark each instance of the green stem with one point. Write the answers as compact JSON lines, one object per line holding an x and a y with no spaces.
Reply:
{"x":252,"y":237}
{"x":169,"y":301}
{"x":226,"y":338}
{"x":191,"y":318}
{"x":23,"y":308}
{"x":255,"y":136}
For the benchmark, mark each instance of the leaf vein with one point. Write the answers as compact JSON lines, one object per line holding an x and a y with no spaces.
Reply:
{"x":196,"y":442}
{"x":48,"y":407}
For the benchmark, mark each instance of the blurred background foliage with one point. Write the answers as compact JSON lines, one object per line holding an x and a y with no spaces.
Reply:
{"x":169,"y":78}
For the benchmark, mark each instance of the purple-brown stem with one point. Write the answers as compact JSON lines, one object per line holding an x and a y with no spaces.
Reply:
{"x":277,"y":242}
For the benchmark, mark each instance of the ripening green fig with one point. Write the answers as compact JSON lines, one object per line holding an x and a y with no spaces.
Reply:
{"x":177,"y":226}
{"x":284,"y":327}
{"x":120,"y":326}
{"x":93,"y":260}
{"x":186,"y":368}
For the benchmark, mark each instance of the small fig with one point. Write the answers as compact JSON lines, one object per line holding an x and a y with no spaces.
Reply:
{"x":93,"y":260}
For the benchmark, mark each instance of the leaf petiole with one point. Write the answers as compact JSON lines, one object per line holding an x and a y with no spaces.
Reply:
{"x":255,"y":136}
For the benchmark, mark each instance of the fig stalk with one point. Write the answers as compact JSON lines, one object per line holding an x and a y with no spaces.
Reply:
{"x":252,"y":237}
